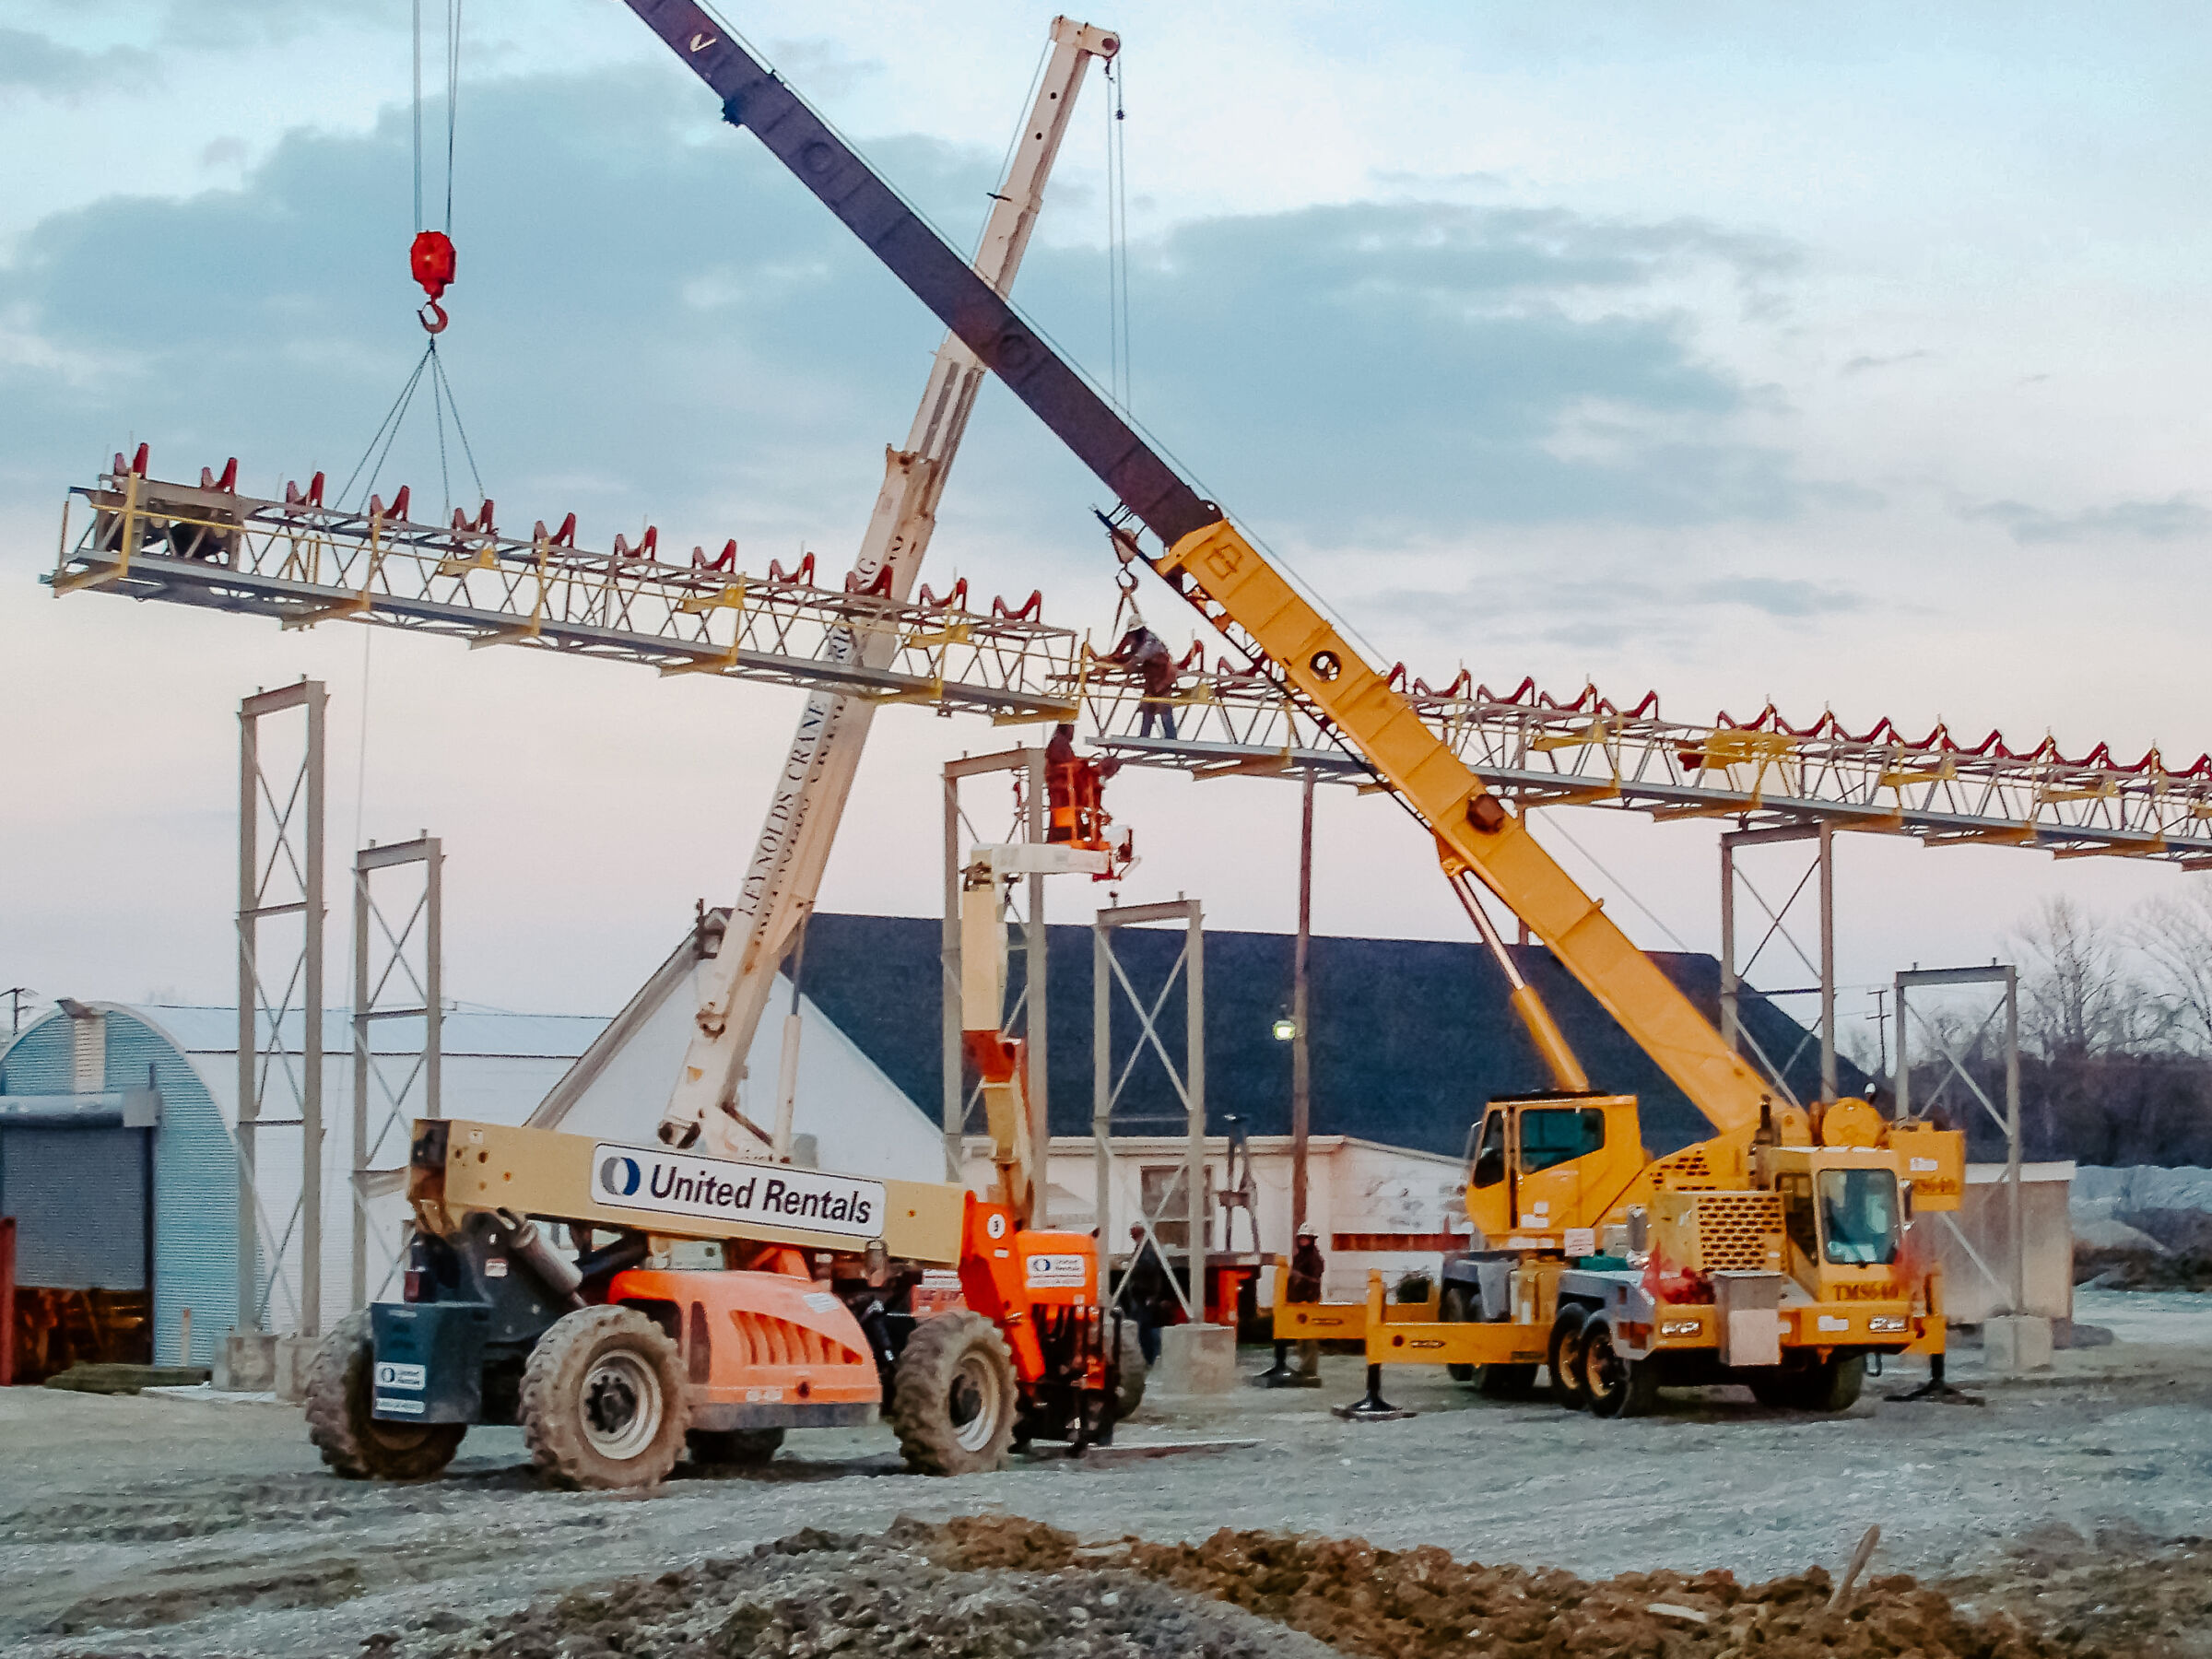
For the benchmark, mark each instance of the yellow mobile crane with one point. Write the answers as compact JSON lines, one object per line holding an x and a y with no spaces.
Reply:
{"x":1775,"y":1252}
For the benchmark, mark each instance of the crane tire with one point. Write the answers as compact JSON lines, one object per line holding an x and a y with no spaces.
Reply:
{"x":1828,"y":1387}
{"x":1834,"y":1386}
{"x":1505,"y":1381}
{"x":734,"y":1448}
{"x":953,"y":1399}
{"x":354,"y":1443}
{"x":1617,"y":1386}
{"x":1563,"y":1354}
{"x":604,"y":1401}
{"x":1129,"y":1359}
{"x":1458,"y":1308}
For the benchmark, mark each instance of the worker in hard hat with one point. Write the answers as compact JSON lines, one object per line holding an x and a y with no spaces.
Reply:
{"x":1307,"y":1267}
{"x":1145,"y":652}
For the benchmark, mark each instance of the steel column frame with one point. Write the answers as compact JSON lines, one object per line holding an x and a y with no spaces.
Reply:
{"x":1189,"y":1081}
{"x":1824,"y":867}
{"x":369,"y":986}
{"x":254,"y":877}
{"x":2008,"y":976}
{"x":1030,"y":763}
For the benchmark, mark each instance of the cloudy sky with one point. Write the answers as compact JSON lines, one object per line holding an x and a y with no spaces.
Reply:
{"x":1853,"y":357}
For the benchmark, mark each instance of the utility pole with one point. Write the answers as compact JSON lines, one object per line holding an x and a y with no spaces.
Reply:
{"x":1302,"y":1091}
{"x":1881,"y":1030}
{"x":16,"y":993}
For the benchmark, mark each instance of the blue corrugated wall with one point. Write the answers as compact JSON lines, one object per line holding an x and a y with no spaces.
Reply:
{"x":196,"y":1170}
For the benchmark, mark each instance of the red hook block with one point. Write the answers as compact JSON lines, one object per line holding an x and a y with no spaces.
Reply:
{"x":431,"y":261}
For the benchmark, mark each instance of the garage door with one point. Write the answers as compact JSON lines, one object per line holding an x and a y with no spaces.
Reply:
{"x":81,"y":1199}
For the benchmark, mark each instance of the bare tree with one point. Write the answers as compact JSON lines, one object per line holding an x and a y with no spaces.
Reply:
{"x":2175,"y":936}
{"x":2078,"y":999}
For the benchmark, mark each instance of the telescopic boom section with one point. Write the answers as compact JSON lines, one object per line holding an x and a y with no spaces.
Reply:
{"x":1226,"y":578}
{"x":815,"y":779}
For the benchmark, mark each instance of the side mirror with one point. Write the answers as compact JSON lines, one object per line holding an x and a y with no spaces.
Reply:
{"x":1640,"y":1230}
{"x":1904,"y":1190}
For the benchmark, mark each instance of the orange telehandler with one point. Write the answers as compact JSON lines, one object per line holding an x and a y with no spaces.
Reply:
{"x":622,"y":1301}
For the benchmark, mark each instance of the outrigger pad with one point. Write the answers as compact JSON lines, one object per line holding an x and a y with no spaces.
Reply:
{"x":1282,"y":1374}
{"x":1935,"y":1390}
{"x":1371,"y":1407}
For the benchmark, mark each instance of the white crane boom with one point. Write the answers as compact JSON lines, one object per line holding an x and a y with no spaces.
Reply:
{"x":811,"y":788}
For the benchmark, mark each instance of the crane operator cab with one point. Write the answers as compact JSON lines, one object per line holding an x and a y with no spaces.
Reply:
{"x":1544,"y":1169}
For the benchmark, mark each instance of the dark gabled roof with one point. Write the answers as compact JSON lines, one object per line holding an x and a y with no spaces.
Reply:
{"x":1410,"y":1037}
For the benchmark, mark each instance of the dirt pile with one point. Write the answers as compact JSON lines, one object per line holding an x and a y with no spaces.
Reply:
{"x":999,"y":1587}
{"x":1393,"y":1603}
{"x":2124,"y":1591}
{"x":2181,"y":1261}
{"x":816,"y":1593}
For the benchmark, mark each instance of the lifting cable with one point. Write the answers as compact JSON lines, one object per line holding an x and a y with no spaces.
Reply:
{"x":1117,"y":242}
{"x":431,"y":261}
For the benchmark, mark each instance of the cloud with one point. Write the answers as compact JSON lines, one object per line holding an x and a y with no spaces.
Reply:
{"x":1607,"y":606}
{"x":1860,"y":365}
{"x":649,"y":315}
{"x":34,"y":62}
{"x":1777,"y":597}
{"x":2170,"y":520}
{"x":1388,"y":369}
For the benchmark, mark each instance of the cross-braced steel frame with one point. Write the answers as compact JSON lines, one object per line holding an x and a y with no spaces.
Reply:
{"x":1025,"y":1016}
{"x":1954,"y":1056}
{"x":1110,"y":982}
{"x":288,"y":881}
{"x":1821,"y":875}
{"x":398,"y":973}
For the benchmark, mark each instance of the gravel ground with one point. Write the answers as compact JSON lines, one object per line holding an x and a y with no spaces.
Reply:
{"x":173,"y":1527}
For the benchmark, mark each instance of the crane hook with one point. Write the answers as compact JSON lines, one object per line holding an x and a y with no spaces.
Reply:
{"x":430,"y":260}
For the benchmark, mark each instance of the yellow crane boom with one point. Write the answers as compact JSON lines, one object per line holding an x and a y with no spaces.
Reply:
{"x":1218,"y":570}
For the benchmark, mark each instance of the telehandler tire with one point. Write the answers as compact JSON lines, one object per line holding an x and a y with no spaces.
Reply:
{"x":737,"y":1448}
{"x":1130,"y":1359}
{"x":1458,"y":1307}
{"x":355,"y":1445}
{"x":1618,"y":1385}
{"x":604,"y":1403}
{"x":953,"y":1400}
{"x":1563,"y":1354}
